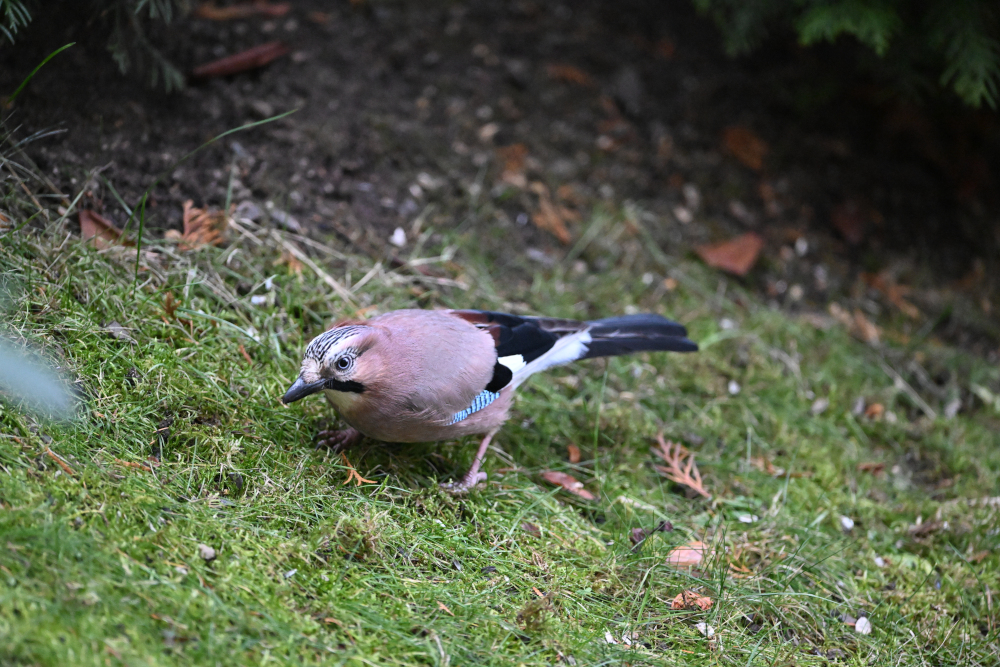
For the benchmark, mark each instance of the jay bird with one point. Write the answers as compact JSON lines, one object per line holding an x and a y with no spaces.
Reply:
{"x":428,"y":375}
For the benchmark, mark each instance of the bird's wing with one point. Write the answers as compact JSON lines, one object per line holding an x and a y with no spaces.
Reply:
{"x":527,"y":345}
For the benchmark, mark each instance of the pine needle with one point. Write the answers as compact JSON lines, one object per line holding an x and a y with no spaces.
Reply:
{"x":352,"y":474}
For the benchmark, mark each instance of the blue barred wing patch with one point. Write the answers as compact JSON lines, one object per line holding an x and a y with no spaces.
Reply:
{"x":478,"y":403}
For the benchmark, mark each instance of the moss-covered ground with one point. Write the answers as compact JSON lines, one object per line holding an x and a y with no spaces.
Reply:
{"x":180,"y":440}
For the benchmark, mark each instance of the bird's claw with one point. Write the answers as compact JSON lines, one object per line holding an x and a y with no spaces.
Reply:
{"x":337,"y":440}
{"x":463,"y":485}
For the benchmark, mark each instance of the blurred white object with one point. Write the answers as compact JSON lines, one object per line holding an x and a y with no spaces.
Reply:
{"x":22,"y":379}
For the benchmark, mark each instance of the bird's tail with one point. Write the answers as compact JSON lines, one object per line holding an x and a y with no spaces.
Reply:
{"x":636,"y":333}
{"x":604,"y":338}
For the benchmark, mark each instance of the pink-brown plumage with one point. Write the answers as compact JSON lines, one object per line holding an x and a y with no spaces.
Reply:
{"x":428,"y":375}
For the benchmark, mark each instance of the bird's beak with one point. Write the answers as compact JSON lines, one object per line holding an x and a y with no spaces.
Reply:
{"x":300,"y":389}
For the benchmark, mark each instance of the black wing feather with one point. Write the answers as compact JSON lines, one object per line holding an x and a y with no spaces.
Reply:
{"x":531,"y":337}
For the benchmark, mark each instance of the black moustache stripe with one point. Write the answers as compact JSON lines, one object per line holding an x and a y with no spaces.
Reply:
{"x":348,"y":386}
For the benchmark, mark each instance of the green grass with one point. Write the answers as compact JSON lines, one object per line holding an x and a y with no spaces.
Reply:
{"x":102,"y":566}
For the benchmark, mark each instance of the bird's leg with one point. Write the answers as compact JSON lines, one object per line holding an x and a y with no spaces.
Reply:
{"x":472,"y":477}
{"x":338,"y":441}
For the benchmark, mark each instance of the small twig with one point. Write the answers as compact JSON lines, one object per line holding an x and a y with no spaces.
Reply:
{"x":133,"y":464}
{"x":352,"y":475}
{"x":246,"y":355}
{"x":676,"y":469}
{"x":59,"y":460}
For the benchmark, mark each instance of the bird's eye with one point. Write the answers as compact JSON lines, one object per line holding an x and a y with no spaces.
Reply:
{"x":343,"y":363}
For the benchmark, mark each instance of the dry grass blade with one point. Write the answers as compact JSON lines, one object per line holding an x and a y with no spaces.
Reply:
{"x":680,"y":466}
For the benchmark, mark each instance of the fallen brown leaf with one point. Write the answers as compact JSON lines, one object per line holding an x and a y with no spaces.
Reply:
{"x":569,"y":74}
{"x":569,"y":194}
{"x":687,"y":555}
{"x":874,"y":467}
{"x":574,"y":453}
{"x":170,"y":304}
{"x":552,"y":218}
{"x":852,"y":218}
{"x":443,"y":607}
{"x":513,"y":158}
{"x":896,"y":293}
{"x":745,"y":146}
{"x":736,"y":256}
{"x":691,"y":600}
{"x":857,"y":323}
{"x":241,"y":10}
{"x":875,"y":411}
{"x":926,"y":528}
{"x":864,"y":328}
{"x":100,"y":229}
{"x":252,"y":58}
{"x":201,"y":228}
{"x":666,"y":49}
{"x":677,"y":469}
{"x":764,"y":465}
{"x":568,"y":482}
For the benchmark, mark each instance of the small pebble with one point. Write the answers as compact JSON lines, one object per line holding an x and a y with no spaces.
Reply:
{"x":847,"y":523}
{"x":863,"y":626}
{"x":879,"y":561}
{"x":206,"y":552}
{"x":683,"y":215}
{"x":705,"y":629}
{"x":819,"y":406}
{"x":398,"y":237}
{"x":734,"y":387}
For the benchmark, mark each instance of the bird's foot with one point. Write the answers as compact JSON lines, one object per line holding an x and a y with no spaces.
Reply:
{"x":463,"y":485}
{"x":338,"y":441}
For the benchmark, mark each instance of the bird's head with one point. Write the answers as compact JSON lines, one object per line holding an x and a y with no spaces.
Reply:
{"x":332,"y":362}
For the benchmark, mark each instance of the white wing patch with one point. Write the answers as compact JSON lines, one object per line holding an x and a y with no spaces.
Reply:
{"x":514,"y":362}
{"x":568,"y":348}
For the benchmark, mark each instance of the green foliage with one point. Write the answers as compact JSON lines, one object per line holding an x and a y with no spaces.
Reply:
{"x":128,"y":22}
{"x":14,"y":16}
{"x":129,"y":44}
{"x":872,"y":24}
{"x":956,"y":42}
